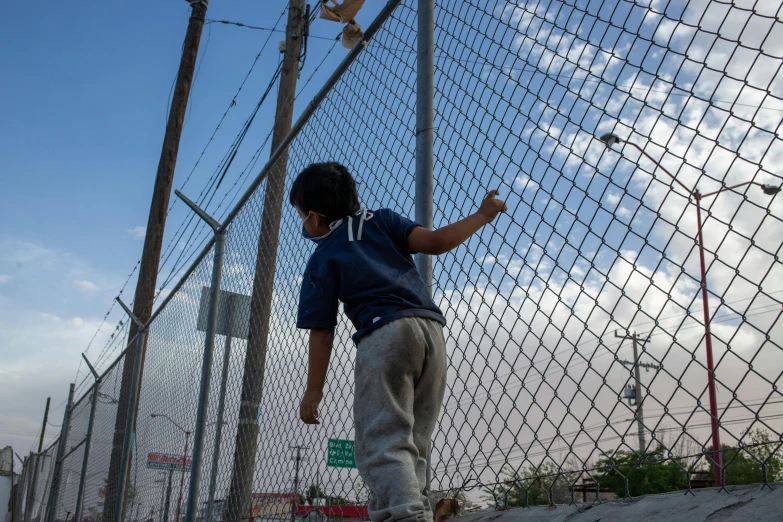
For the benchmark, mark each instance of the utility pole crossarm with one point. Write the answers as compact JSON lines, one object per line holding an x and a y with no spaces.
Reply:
{"x":647,"y":366}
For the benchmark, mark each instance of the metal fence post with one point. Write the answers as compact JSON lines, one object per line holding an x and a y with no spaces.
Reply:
{"x":16,"y":515}
{"x":221,"y":409}
{"x":31,"y":472}
{"x":88,"y":440}
{"x":206,"y":366}
{"x":425,"y":103}
{"x":54,"y":492}
{"x":130,"y":419}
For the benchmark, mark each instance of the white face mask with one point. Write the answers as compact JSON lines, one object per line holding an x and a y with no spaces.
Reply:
{"x":332,"y":226}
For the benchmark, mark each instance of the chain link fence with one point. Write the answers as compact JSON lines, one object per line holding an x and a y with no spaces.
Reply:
{"x":577,"y":334}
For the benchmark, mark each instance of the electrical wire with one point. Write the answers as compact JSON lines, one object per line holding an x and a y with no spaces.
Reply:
{"x":516,"y":448}
{"x":237,"y":188}
{"x":177,"y":235}
{"x":504,"y":389}
{"x":186,"y":222}
{"x":657,"y":320}
{"x":223,"y":168}
{"x":248,"y":26}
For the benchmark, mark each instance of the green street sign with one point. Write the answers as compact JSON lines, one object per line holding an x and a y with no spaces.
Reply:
{"x":340,"y":454}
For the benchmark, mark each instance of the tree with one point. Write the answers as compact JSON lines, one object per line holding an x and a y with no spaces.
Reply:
{"x":314,"y":493}
{"x":533,"y":486}
{"x":747,"y":465}
{"x":628,"y":474}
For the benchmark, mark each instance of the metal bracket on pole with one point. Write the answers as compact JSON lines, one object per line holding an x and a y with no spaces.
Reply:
{"x":130,"y":419}
{"x":130,"y":314}
{"x":92,"y":370}
{"x":54,"y":491}
{"x":195,"y":208}
{"x":191,"y":513}
{"x":87,"y":439}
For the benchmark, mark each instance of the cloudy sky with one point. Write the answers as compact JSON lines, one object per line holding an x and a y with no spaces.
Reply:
{"x":594,"y":240}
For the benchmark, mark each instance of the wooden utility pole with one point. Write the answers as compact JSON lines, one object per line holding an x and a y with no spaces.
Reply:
{"x":261,"y":304}
{"x":637,"y":387}
{"x":153,"y":241}
{"x":43,"y":426}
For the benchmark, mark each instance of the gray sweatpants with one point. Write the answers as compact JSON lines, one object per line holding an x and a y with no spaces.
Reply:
{"x":400,"y":380}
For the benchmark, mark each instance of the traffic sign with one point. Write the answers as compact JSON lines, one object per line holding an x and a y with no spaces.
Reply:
{"x":339,"y":454}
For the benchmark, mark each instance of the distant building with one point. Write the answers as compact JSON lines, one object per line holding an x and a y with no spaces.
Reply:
{"x":265,"y":506}
{"x":271,"y":505}
{"x":7,"y":479}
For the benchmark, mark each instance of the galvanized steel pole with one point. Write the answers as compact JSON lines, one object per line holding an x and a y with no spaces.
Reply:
{"x":31,"y":479}
{"x":54,"y":492}
{"x":221,"y":409}
{"x":206,"y":373}
{"x":130,"y":419}
{"x":425,"y":117}
{"x":88,"y":440}
{"x":191,"y":511}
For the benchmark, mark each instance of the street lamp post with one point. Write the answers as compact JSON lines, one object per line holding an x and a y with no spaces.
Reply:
{"x":184,"y":458}
{"x":609,"y":140}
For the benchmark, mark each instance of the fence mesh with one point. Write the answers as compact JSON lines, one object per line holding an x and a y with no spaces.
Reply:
{"x":576,"y":329}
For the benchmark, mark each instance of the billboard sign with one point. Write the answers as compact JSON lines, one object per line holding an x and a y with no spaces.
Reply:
{"x":167,"y":462}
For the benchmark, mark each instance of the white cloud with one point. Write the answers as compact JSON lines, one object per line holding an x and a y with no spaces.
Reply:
{"x":85,"y":285}
{"x":4,"y":278}
{"x":523,"y":182}
{"x":613,"y":198}
{"x":138,"y":232}
{"x":623,"y":213}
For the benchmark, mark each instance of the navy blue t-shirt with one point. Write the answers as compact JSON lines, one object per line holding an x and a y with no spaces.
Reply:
{"x":366,"y":264}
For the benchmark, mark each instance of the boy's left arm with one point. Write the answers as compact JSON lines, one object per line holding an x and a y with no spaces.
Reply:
{"x":436,"y":242}
{"x":321,"y":340}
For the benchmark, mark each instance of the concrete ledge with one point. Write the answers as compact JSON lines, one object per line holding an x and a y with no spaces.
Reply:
{"x":741,"y":504}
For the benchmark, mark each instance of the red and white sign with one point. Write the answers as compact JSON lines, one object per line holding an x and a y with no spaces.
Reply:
{"x":167,"y":462}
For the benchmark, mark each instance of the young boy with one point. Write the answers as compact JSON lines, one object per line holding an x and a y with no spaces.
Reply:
{"x":364,"y":260}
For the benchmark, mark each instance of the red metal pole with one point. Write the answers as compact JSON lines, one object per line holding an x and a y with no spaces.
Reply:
{"x":716,"y":451}
{"x":182,"y":480}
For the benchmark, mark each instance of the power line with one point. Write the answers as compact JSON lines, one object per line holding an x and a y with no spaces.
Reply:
{"x":256,"y":156}
{"x":583,"y":361}
{"x":223,"y":169}
{"x":487,"y":461}
{"x":176,"y":236}
{"x":274,"y":30}
{"x":486,"y":395}
{"x":186,"y":222}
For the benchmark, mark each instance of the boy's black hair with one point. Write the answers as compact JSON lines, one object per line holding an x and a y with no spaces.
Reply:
{"x":327,"y":188}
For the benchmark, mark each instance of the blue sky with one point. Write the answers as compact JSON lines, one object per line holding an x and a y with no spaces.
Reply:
{"x":83,"y":106}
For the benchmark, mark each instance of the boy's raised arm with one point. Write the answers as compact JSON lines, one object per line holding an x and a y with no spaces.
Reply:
{"x":436,"y":242}
{"x":321,"y":340}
